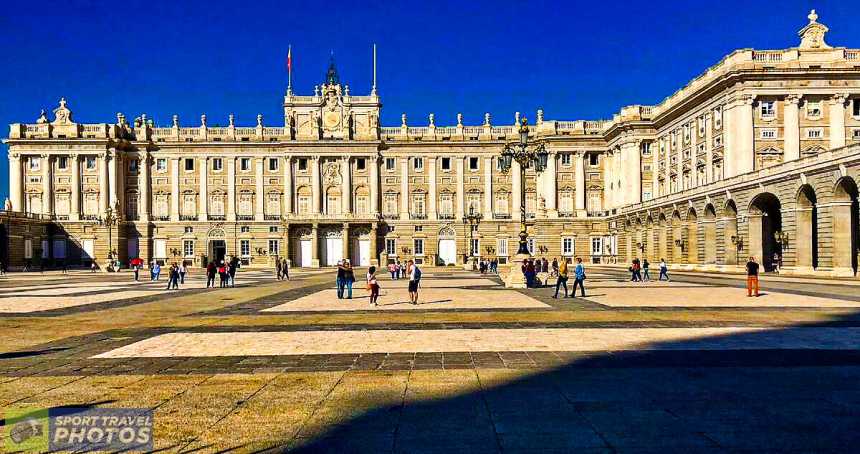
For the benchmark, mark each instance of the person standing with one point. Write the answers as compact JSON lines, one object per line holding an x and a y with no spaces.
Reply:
{"x":752,"y":277}
{"x":645,"y":266}
{"x":777,"y":262}
{"x":136,"y":269}
{"x":211,"y":270}
{"x":278,"y":272}
{"x":636,"y":269}
{"x":398,"y":270}
{"x":285,"y":268}
{"x":391,"y":270}
{"x":182,"y":270}
{"x":579,"y":278}
{"x":562,"y":276}
{"x":664,"y":270}
{"x":348,"y":278}
{"x":173,"y":277}
{"x":156,"y":271}
{"x":414,"y":281}
{"x":222,"y":272}
{"x":373,"y":286}
{"x":234,"y":266}
{"x":340,"y":279}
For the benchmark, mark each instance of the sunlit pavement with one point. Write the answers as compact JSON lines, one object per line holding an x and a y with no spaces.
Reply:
{"x":692,"y":364}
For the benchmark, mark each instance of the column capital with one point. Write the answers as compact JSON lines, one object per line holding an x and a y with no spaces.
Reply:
{"x":839,"y":99}
{"x":794,"y":98}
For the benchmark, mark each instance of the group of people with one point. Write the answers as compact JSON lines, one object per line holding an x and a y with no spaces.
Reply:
{"x":345,"y":279}
{"x":225,"y":270}
{"x":488,"y":266}
{"x":282,"y":269}
{"x":640,"y":271}
{"x":563,"y":271}
{"x":408,"y":270}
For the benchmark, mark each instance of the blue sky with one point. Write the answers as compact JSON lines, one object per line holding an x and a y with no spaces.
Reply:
{"x":577,"y":60}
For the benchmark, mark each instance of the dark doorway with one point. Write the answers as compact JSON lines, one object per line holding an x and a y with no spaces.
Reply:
{"x":218,"y":250}
{"x":771,"y":223}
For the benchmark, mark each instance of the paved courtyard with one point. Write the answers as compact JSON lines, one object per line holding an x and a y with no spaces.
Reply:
{"x":692,"y":364}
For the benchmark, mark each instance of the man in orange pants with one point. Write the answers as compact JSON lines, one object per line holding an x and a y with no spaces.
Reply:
{"x":752,"y":277}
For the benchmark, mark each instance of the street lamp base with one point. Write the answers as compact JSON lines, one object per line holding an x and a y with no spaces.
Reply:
{"x":515,"y":277}
{"x":471,"y":264}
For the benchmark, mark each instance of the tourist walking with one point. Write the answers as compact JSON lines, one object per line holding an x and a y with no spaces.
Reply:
{"x":555,"y":267}
{"x":339,"y":280}
{"x":777,"y":262}
{"x":636,"y":271}
{"x":372,"y":285}
{"x":348,"y":278}
{"x":156,"y":271}
{"x":664,"y":270}
{"x":398,"y":267}
{"x":234,"y":265}
{"x":752,"y":277}
{"x":645,"y":266}
{"x":285,"y":268}
{"x":211,"y":271}
{"x":182,"y":271}
{"x":392,"y":271}
{"x":561,"y":281}
{"x":173,"y":277}
{"x":222,"y":272}
{"x":278,"y":273}
{"x":414,"y":281}
{"x":136,"y":269}
{"x":579,"y":278}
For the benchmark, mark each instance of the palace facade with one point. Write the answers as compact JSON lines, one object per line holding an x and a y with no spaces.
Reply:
{"x":759,"y":155}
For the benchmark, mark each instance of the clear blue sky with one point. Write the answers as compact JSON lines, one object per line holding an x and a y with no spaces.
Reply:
{"x":577,"y":60}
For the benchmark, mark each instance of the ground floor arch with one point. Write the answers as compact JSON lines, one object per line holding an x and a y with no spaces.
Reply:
{"x":846,"y":226}
{"x":765,"y":226}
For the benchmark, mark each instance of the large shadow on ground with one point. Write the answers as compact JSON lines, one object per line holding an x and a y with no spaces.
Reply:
{"x":679,"y":396}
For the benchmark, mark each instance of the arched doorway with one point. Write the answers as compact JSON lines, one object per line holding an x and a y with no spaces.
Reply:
{"x":663,"y":238}
{"x":731,"y":241}
{"x":677,"y":238}
{"x":709,"y":234}
{"x":447,"y":246}
{"x":806,"y":233}
{"x":692,"y":246}
{"x":765,"y":220}
{"x":846,"y":226}
{"x":651,"y":239}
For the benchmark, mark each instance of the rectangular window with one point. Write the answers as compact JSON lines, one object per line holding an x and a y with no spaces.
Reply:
{"x":768,"y":133}
{"x":273,"y":164}
{"x":273,"y":229}
{"x":188,"y":248}
{"x":360,"y":164}
{"x":446,"y":163}
{"x":245,"y":164}
{"x":160,"y":165}
{"x":63,"y":162}
{"x":418,"y":163}
{"x":90,"y":162}
{"x":217,"y":164}
{"x":303,"y":164}
{"x":389,"y":163}
{"x":814,"y":133}
{"x":274,"y":247}
{"x":855,"y":107}
{"x":473,"y":164}
{"x":189,"y":229}
{"x":245,"y":247}
{"x":592,"y":159}
{"x":596,"y":246}
{"x":132,"y":166}
{"x":767,"y":109}
{"x":418,"y":246}
{"x":565,"y":159}
{"x":419,"y":228}
{"x":244,"y":229}
{"x":391,"y":246}
{"x":567,"y":246}
{"x":856,"y":134}
{"x":475,"y":247}
{"x":189,"y":164}
{"x":530,"y":244}
{"x":35,"y":162}
{"x":813,"y":109}
{"x":502,"y":247}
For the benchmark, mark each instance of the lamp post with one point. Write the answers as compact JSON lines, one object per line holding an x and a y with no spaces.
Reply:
{"x":109,"y":219}
{"x":525,"y":154}
{"x":472,"y":219}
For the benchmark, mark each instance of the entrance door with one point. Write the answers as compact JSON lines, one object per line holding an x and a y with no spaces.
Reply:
{"x":448,"y":252}
{"x":361,"y":251}
{"x":304,"y":253}
{"x":89,"y":250}
{"x":218,"y":250}
{"x":333,"y":251}
{"x":133,"y":248}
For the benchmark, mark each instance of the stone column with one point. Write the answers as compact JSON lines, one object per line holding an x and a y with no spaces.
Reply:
{"x":204,"y":189}
{"x":791,"y":128}
{"x":47,"y":193}
{"x":260,"y":196}
{"x":174,"y":189}
{"x":488,"y":188}
{"x":404,"y":188}
{"x":315,"y":188}
{"x":104,"y":197}
{"x":345,"y":239}
{"x":709,"y":149}
{"x":579,"y":175}
{"x":461,"y":189}
{"x":374,"y":252}
{"x":346,"y":185}
{"x":631,"y":157}
{"x":113,"y":179}
{"x":315,"y":246}
{"x":231,"y":189}
{"x":655,"y":169}
{"x":431,"y":204}
{"x":75,"y":212}
{"x":143,"y":188}
{"x":738,"y":138}
{"x":837,"y":120}
{"x":550,"y":186}
{"x":803,"y":238}
{"x":678,"y":149}
{"x":373,"y":161}
{"x":840,"y":245}
{"x":16,"y":185}
{"x":288,"y":186}
{"x":667,"y":160}
{"x":516,"y":189}
{"x":285,"y":247}
{"x":694,"y":155}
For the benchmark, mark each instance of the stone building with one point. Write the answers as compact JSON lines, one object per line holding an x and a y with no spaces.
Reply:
{"x":758,"y":155}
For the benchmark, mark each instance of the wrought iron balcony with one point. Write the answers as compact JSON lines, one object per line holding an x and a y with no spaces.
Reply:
{"x":271,"y":217}
{"x":446,"y":216}
{"x":217,"y":217}
{"x":244,"y":217}
{"x":417,"y":216}
{"x":501,"y":215}
{"x":187,"y":217}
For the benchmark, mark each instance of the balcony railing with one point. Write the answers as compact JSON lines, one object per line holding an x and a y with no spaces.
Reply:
{"x":217,"y":217}
{"x":417,"y":216}
{"x":446,"y":216}
{"x":271,"y":217}
{"x":187,"y":217}
{"x":501,"y":215}
{"x":390,"y":216}
{"x":161,"y":218}
{"x":597,"y":214}
{"x":566,"y":214}
{"x":244,"y":217}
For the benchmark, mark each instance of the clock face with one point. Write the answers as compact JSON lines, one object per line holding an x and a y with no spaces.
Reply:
{"x":331,"y":119}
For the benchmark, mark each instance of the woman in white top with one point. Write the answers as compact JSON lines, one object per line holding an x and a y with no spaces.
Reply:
{"x":372,"y":285}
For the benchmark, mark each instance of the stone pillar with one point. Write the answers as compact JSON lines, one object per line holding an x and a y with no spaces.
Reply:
{"x":694,"y":155}
{"x":667,"y":160}
{"x":791,"y":128}
{"x":285,"y":247}
{"x":404,"y":188}
{"x":75,"y":212}
{"x":345,"y":239}
{"x":16,"y":185}
{"x":47,"y":193}
{"x":204,"y":189}
{"x":231,"y":189}
{"x":260,"y":196}
{"x":373,"y":161}
{"x":840,"y":243}
{"x":374,"y":252}
{"x":143,"y":187}
{"x":579,"y":176}
{"x":631,"y":162}
{"x":461,"y":188}
{"x":346,"y":186}
{"x":803,"y":239}
{"x":738,"y":138}
{"x":655,"y":169}
{"x":550,"y":186}
{"x":288,"y":187}
{"x":315,"y":187}
{"x":488,"y":188}
{"x":755,"y":237}
{"x":104,"y":197}
{"x":516,"y":189}
{"x":431,"y":203}
{"x":315,"y":246}
{"x":837,"y":120}
{"x":174,"y":189}
{"x":678,"y":150}
{"x":113,"y":180}
{"x":709,"y":150}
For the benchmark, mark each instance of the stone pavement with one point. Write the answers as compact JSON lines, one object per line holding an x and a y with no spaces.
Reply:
{"x":689,"y":365}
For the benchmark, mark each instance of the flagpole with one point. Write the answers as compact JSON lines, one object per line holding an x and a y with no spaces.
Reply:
{"x":290,"y":70}
{"x":373,"y":89}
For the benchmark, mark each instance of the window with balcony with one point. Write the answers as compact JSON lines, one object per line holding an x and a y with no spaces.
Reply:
{"x":446,"y":205}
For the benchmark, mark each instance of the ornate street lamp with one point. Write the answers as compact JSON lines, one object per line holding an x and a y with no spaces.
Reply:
{"x":472,"y":219}
{"x":526,"y":155}
{"x":109,"y":219}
